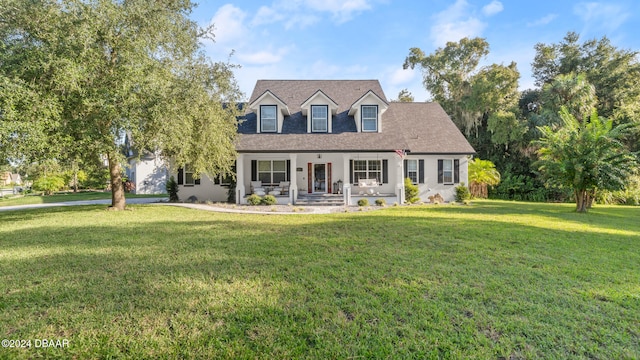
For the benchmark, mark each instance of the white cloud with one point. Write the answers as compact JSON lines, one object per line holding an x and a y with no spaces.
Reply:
{"x":455,"y":23}
{"x":228,"y":24}
{"x":260,"y":57}
{"x":543,"y":20}
{"x":266,"y":15}
{"x":263,"y":57}
{"x":401,"y":76}
{"x":342,"y":11}
{"x":304,"y":13}
{"x":492,"y":8}
{"x":607,"y":16}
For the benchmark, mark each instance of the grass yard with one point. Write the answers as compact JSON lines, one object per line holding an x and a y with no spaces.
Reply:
{"x":61,"y":197}
{"x":492,"y":280}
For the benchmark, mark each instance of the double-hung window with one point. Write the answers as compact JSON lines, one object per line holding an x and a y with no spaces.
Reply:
{"x":272,"y":171}
{"x":448,"y":171}
{"x":319,"y":118}
{"x":412,"y":170}
{"x":370,"y":118}
{"x":188,"y":175}
{"x":268,"y":118}
{"x":367,"y":169}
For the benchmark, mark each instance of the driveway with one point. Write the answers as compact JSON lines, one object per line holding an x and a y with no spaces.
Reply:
{"x":82,"y":202}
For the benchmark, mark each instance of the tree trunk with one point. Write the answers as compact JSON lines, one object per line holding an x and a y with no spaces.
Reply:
{"x":590,"y":196}
{"x":118,"y":201}
{"x":581,"y":201}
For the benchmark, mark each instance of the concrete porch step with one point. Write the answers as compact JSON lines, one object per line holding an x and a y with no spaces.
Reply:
{"x":320,"y":199}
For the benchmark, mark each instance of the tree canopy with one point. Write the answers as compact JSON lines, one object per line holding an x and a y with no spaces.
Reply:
{"x":80,"y":74}
{"x":613,"y":72}
{"x":468,"y":93}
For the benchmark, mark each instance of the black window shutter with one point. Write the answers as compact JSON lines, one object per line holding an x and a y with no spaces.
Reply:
{"x":406,"y":170}
{"x":456,"y":171}
{"x":440,"y":171}
{"x":288,"y":170}
{"x":421,"y":171}
{"x":180,"y":176}
{"x":351,"y":171}
{"x":254,"y":170}
{"x":385,"y":171}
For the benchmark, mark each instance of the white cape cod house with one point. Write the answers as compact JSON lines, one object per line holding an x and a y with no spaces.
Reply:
{"x":341,"y":139}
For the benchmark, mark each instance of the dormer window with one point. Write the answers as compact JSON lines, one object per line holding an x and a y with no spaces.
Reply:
{"x":268,"y":118}
{"x":370,"y":118}
{"x":319,"y":118}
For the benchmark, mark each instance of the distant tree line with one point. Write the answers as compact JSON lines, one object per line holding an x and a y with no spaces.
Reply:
{"x":585,"y":91}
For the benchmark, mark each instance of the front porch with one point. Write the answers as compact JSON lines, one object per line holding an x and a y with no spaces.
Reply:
{"x":321,"y":175}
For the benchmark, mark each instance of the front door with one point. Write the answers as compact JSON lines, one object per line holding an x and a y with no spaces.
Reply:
{"x":319,"y":178}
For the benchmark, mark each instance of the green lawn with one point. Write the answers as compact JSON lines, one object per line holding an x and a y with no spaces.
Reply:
{"x":61,"y":197}
{"x":494,"y":280}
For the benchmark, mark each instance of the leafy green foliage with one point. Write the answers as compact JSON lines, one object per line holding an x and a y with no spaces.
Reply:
{"x":254,"y":199}
{"x":467,"y":94}
{"x":482,"y":173}
{"x":268,"y":200}
{"x":572,"y":91}
{"x":172,"y":189}
{"x":88,"y":72}
{"x":462,"y":193}
{"x":613,"y":72}
{"x":381,"y":202}
{"x":585,"y":157}
{"x":363,"y":202}
{"x":410,"y":192}
{"x":49,"y":184}
{"x":405,"y":96}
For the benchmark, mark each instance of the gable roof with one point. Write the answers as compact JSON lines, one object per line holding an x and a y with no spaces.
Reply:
{"x":294,"y":93}
{"x":283,"y":105}
{"x":427,"y":129}
{"x":422,"y":128}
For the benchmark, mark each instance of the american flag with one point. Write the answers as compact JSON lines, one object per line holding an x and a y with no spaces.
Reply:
{"x":400,"y":153}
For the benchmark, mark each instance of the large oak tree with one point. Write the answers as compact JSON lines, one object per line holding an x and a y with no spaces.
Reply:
{"x":82,"y":73}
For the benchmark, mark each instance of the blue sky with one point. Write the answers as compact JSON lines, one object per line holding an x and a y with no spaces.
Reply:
{"x":369,"y":39}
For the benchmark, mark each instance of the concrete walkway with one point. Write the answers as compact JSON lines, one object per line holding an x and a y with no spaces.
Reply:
{"x":308,"y":209}
{"x":163,"y":201}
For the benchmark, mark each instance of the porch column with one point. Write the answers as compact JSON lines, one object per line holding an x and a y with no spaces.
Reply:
{"x":346,"y":190}
{"x":400,"y":179}
{"x":240,"y":189}
{"x":293,"y":181}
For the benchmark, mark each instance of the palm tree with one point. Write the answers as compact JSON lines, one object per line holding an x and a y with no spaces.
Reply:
{"x":482,"y":173}
{"x":586,"y":156}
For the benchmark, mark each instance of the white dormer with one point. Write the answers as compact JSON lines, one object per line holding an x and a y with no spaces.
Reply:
{"x":319,"y":110}
{"x":367,"y":112}
{"x":270,"y":112}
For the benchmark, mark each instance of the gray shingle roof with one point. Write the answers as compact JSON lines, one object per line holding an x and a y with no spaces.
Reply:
{"x":416,"y":127}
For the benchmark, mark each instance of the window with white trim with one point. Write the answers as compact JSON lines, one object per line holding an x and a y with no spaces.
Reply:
{"x":272,"y":171}
{"x":412,"y":170}
{"x":369,"y":115}
{"x":367,"y":169}
{"x":268,"y":118}
{"x":447,"y":171}
{"x":319,"y":118}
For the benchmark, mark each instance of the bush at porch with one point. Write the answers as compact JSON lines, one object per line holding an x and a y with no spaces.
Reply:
{"x":254,"y":199}
{"x":410,"y":192}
